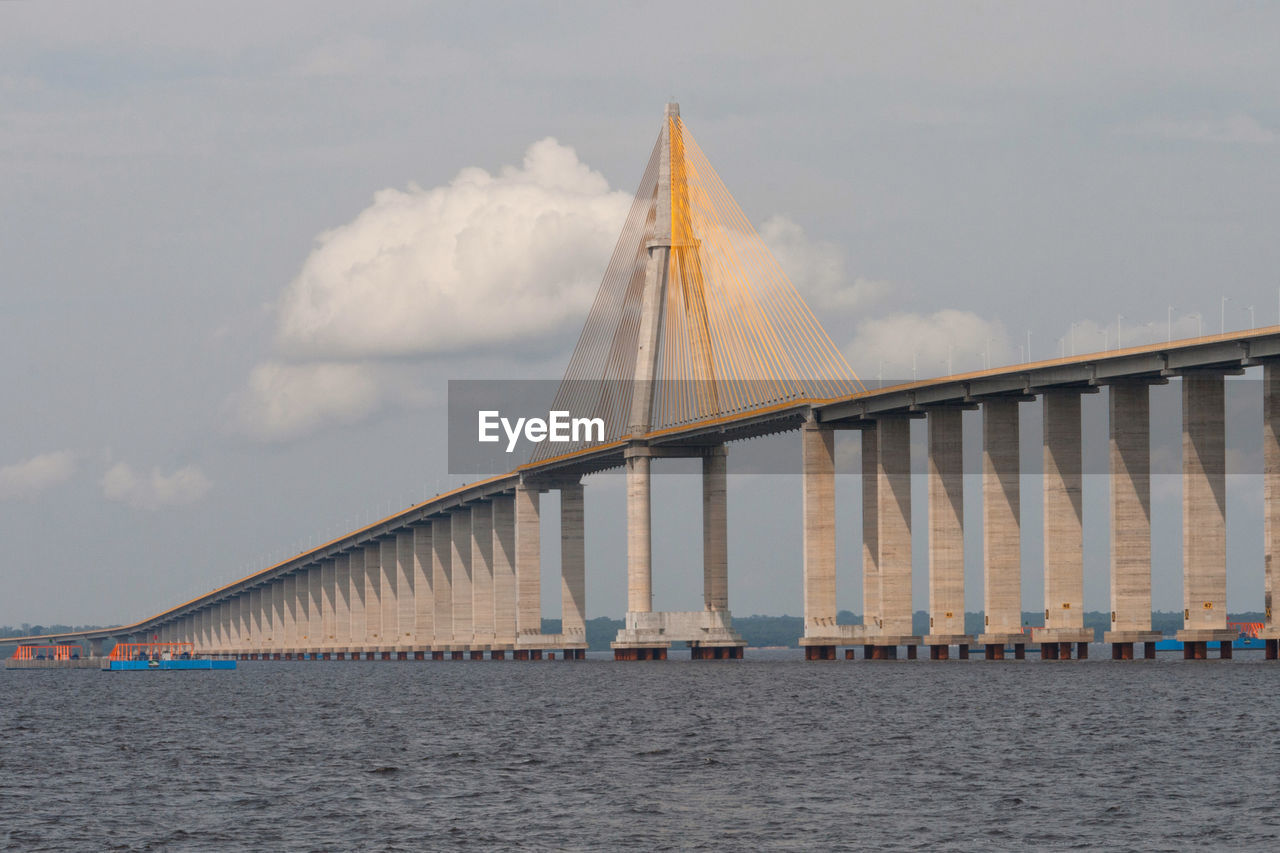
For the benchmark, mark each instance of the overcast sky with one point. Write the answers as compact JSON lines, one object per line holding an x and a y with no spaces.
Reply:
{"x":243,"y":247}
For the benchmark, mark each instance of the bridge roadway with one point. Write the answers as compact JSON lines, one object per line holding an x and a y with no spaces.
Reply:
{"x":475,"y":549}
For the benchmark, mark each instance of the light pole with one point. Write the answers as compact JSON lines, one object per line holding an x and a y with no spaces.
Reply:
{"x":1119,"y":317}
{"x":1028,"y":345}
{"x":1252,"y":325}
{"x":1073,"y":338}
{"x":1222,"y":316}
{"x":1199,"y":324}
{"x":1169,"y":339}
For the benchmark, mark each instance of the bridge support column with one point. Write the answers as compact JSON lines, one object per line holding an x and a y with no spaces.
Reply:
{"x":1204,"y":511}
{"x":1001,"y":529}
{"x":1129,"y":407}
{"x":301,"y":613}
{"x":442,"y":582}
{"x":373,"y":592}
{"x":1063,"y":527}
{"x":504,"y":571}
{"x":342,"y":604}
{"x":406,"y":598}
{"x":244,"y":603}
{"x":1270,"y":632}
{"x":639,"y":536}
{"x":463,"y":633}
{"x":359,"y":604}
{"x":528,"y":561}
{"x":573,"y":564}
{"x":946,"y":533}
{"x":288,"y":607}
{"x":424,"y":616}
{"x":482,"y":575}
{"x":715,"y":529}
{"x":870,"y":532}
{"x":388,"y":577}
{"x":893,"y":533}
{"x":817,"y":451}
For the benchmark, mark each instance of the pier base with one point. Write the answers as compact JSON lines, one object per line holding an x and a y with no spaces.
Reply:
{"x":1224,"y":649}
{"x":640,"y":653}
{"x":997,"y":643}
{"x":701,"y":652}
{"x":497,"y":654}
{"x":1273,"y":649}
{"x":820,"y":652}
{"x":477,"y":654}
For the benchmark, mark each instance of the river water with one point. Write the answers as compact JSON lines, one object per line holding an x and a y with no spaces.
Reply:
{"x":768,"y":753}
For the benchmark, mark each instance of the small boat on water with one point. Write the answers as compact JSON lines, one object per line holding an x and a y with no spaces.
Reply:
{"x":149,"y":656}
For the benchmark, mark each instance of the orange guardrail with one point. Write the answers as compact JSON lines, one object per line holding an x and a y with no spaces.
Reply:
{"x":61,"y":652}
{"x":151,"y":651}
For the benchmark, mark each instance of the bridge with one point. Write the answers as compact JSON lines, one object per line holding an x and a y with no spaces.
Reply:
{"x":696,"y":340}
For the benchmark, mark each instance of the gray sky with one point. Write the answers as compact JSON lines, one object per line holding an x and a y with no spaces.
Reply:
{"x":219,"y":344}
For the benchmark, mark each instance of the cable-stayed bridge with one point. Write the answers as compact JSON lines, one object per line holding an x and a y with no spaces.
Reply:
{"x":696,"y":340}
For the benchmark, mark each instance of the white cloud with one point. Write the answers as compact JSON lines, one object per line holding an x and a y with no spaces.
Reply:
{"x":24,"y":480}
{"x":284,"y":401}
{"x":817,"y":269}
{"x":886,"y":346}
{"x":1236,"y":128}
{"x":483,"y":261}
{"x":184,"y":486}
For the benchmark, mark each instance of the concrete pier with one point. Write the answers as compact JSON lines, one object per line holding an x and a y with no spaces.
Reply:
{"x":870,"y":452}
{"x":373,"y":639}
{"x":442,"y":582}
{"x":315,"y":608}
{"x":818,"y":508}
{"x":573,"y":560}
{"x":504,"y":571}
{"x":388,"y":580}
{"x":482,"y":575}
{"x":1129,"y":408}
{"x":463,"y":631}
{"x":276,"y":640}
{"x":821,"y":633}
{"x":406,"y":594}
{"x":424,"y":605}
{"x":715,"y":529}
{"x":1204,"y":512}
{"x":893,"y":532}
{"x":528,"y":561}
{"x":1001,"y":529}
{"x":1063,"y":528}
{"x":639,"y":535}
{"x":358,"y":600}
{"x":328,"y":570}
{"x":1271,"y":502}
{"x":946,"y":534}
